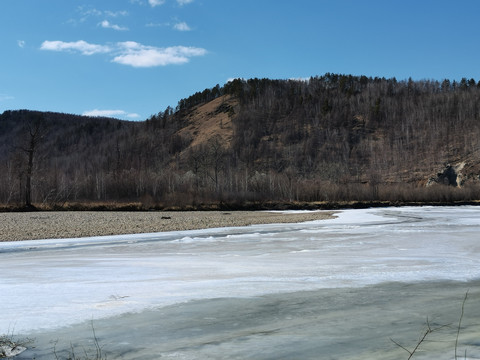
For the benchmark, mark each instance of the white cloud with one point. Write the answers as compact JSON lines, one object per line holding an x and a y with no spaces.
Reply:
{"x":87,"y":12}
{"x":116,"y":13}
{"x":5,"y":97}
{"x":138,"y":55}
{"x":107,"y":25}
{"x":182,"y":26}
{"x":107,"y":113}
{"x":81,"y":46}
{"x":130,"y":52}
{"x":156,"y":24}
{"x":110,"y":113}
{"x":302,"y":79}
{"x":233,"y":79}
{"x":154,"y":3}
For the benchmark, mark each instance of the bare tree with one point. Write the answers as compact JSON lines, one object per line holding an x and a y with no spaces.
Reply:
{"x":215,"y":159}
{"x":35,"y":131}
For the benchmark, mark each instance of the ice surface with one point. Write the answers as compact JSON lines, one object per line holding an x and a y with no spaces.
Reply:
{"x":52,"y":283}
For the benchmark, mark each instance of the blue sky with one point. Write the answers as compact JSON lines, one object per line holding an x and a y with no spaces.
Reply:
{"x":133,"y":58}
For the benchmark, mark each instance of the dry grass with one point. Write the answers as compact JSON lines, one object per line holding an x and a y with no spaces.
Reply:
{"x":205,"y":122}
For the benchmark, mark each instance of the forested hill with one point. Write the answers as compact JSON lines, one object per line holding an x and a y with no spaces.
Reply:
{"x":330,"y":138}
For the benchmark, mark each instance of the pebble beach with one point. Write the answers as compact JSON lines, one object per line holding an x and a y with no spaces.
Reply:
{"x":74,"y":224}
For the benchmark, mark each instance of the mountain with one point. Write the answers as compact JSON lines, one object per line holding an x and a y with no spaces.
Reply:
{"x":331,"y":138}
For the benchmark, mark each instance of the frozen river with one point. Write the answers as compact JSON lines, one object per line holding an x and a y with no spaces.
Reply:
{"x":338,"y":288}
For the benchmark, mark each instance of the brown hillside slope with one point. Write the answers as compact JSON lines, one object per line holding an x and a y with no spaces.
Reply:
{"x":216,"y":119}
{"x":209,"y":120}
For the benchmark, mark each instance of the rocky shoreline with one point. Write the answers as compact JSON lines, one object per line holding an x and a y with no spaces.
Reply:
{"x":72,"y":224}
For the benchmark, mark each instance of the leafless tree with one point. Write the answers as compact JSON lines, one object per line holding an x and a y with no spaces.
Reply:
{"x":34,"y":130}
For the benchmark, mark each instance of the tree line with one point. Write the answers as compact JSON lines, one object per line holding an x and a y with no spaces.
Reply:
{"x":329,"y":138}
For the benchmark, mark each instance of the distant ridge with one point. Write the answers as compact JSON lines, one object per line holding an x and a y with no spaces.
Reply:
{"x":332,"y":138}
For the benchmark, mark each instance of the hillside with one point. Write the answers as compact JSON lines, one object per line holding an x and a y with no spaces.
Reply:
{"x":332,"y":138}
{"x":210,"y":120}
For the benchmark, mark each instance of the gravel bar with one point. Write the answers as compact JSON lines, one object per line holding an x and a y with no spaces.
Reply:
{"x":73,"y":224}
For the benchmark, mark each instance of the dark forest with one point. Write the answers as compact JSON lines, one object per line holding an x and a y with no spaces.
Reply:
{"x":328,"y":140}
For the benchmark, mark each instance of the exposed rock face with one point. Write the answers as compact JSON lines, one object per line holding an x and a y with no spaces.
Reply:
{"x":451,"y":175}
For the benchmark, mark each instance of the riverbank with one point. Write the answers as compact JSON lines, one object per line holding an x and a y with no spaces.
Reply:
{"x":77,"y":220}
{"x":16,"y":226}
{"x":247,"y":206}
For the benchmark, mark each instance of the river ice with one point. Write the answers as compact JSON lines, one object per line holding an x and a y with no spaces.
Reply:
{"x":228,"y":274}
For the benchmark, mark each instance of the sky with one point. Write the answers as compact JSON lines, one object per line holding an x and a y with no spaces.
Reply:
{"x":131,"y":59}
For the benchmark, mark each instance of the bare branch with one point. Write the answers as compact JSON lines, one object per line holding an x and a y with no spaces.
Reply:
{"x":460,"y":323}
{"x":422,"y":339}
